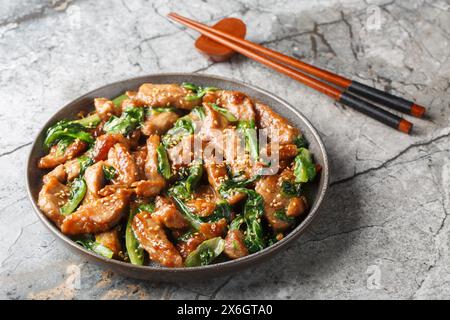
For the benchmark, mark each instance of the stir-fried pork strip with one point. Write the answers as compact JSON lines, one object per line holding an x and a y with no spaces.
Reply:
{"x":111,"y":240}
{"x":213,"y":124}
{"x":139,"y":157}
{"x":59,"y":173}
{"x":134,"y":138}
{"x":159,"y":122}
{"x":105,"y":108}
{"x":214,"y":229}
{"x":154,"y":240}
{"x":238,"y":103}
{"x":268,"y":119}
{"x":203,"y":202}
{"x":55,"y":157}
{"x":110,"y":189}
{"x":150,"y":182}
{"x":131,"y":101}
{"x":52,"y":197}
{"x":72,"y":168}
{"x":167,"y":214}
{"x":98,"y":215}
{"x":234,"y":244}
{"x":183,"y":153}
{"x":207,"y":231}
{"x":151,"y":163}
{"x":276,"y":204}
{"x":217,"y":174}
{"x":105,"y":142}
{"x":185,"y":247}
{"x":147,"y":188}
{"x":95,"y":179}
{"x":65,"y":172}
{"x":239,"y":161}
{"x":296,"y":207}
{"x":120,"y":158}
{"x":166,"y":95}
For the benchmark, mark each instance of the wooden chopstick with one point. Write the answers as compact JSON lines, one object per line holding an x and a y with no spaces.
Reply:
{"x":363,"y":90}
{"x":345,"y":98}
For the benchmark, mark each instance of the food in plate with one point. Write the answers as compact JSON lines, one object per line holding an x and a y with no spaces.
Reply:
{"x":176,"y":175}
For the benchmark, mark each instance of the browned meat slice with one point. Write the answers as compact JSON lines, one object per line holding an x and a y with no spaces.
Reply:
{"x":109,"y":189}
{"x":106,"y":142}
{"x":296,"y":206}
{"x":287,"y":151}
{"x":153,"y":239}
{"x":131,"y":101}
{"x":276,"y":205}
{"x":59,"y":173}
{"x":95,"y":179}
{"x":234,"y":245}
{"x":134,"y":138}
{"x":139,"y":158}
{"x":182,"y":154}
{"x":147,"y":188}
{"x":151,"y":163}
{"x":207,"y":231}
{"x":123,"y":162}
{"x":204,"y":201}
{"x":111,"y":240}
{"x":239,"y":104}
{"x":72,"y":168}
{"x":75,"y":149}
{"x":165,"y":95}
{"x":273,"y":201}
{"x":54,"y":158}
{"x":213,"y":124}
{"x":105,"y":108}
{"x":239,"y":162}
{"x":284,"y":151}
{"x":214,"y":229}
{"x":201,"y":207}
{"x":52,"y":197}
{"x":159,"y":123}
{"x":266,"y":118}
{"x":187,"y":246}
{"x":167,"y":214}
{"x":217,"y":174}
{"x":97,"y":216}
{"x":65,"y":172}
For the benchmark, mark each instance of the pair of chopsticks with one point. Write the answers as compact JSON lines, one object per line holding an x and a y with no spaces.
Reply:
{"x":347,"y":92}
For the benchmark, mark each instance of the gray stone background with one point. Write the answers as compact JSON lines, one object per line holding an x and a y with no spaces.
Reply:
{"x":382,"y":233}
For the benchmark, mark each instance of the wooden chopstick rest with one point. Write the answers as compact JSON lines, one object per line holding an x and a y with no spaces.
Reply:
{"x":214,"y":50}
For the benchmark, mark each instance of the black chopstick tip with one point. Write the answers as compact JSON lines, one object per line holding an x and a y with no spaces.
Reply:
{"x":405,"y":126}
{"x":417,"y":110}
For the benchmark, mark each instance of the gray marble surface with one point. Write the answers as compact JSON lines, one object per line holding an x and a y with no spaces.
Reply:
{"x":383,"y":231}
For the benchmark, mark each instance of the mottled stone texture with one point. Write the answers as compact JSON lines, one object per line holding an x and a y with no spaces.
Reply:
{"x":383,"y":231}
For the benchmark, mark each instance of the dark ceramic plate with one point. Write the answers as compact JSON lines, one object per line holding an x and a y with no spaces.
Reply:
{"x":315,"y":193}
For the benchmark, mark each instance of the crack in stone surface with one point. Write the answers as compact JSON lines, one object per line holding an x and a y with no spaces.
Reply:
{"x":436,"y":235}
{"x":390,"y":160}
{"x":13,"y":203}
{"x":40,"y":13}
{"x":346,"y":232}
{"x":219,"y":288}
{"x":204,"y":68}
{"x":15,"y":149}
